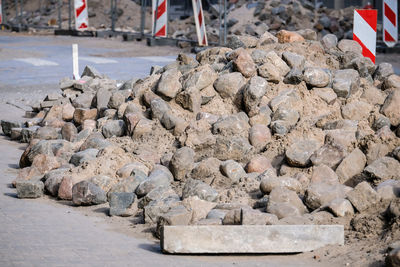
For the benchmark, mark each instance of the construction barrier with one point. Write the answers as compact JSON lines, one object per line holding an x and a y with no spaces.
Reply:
{"x":160,"y":18}
{"x":390,"y":29}
{"x":81,"y":15}
{"x":200,"y":25}
{"x":364,"y":31}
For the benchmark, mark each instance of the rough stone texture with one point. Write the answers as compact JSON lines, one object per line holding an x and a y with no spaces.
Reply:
{"x":294,"y":60}
{"x":270,"y":182}
{"x":84,"y":156}
{"x":321,"y":194}
{"x":324,"y":174}
{"x":393,"y":258}
{"x":391,"y":107}
{"x":182,"y":162}
{"x":383,"y":71}
{"x":329,"y":41}
{"x":199,"y":189}
{"x":330,"y":155}
{"x":258,"y":239}
{"x":284,"y":203}
{"x":299,"y":153}
{"x":289,"y":37}
{"x":169,"y":84}
{"x":29,"y":189}
{"x":254,"y":91}
{"x":341,"y":207}
{"x":383,"y":169}
{"x":82,"y":114}
{"x":200,"y":208}
{"x":87,"y":193}
{"x":121,"y":203}
{"x":316,"y":77}
{"x":363,"y":196}
{"x":244,"y":63}
{"x":345,"y":82}
{"x":350,"y":46}
{"x":258,"y":164}
{"x":65,"y":189}
{"x":259,"y":136}
{"x":114,"y":128}
{"x":256,"y":217}
{"x":228,"y":85}
{"x":232,"y":170}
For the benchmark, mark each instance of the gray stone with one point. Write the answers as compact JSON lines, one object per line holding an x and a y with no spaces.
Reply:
{"x":83,"y":100}
{"x":255,"y":90}
{"x":84,"y":156}
{"x":389,"y":189}
{"x":284,"y":203}
{"x":351,"y":165}
{"x":324,"y":174}
{"x":235,"y":148}
{"x":128,"y":185}
{"x":380,"y":122}
{"x":341,"y":207}
{"x":69,"y":132}
{"x":321,"y":194}
{"x":294,"y":60}
{"x":182,"y":162}
{"x":384,"y":168}
{"x":178,"y":215}
{"x":103,"y":96}
{"x":350,"y":46}
{"x":258,"y":239}
{"x":29,"y":189}
{"x":393,"y":258}
{"x":158,"y":108}
{"x":8,"y":125}
{"x":391,"y":107}
{"x":202,"y":77}
{"x":295,"y":76}
{"x":198,"y":188}
{"x":190,"y":99}
{"x":117,"y":99}
{"x":87,"y":193}
{"x":232,"y":170}
{"x":345,"y":82}
{"x":169,"y":84}
{"x":256,"y":217}
{"x":270,"y":182}
{"x":383,"y":71}
{"x":394,"y":208}
{"x":326,"y":94}
{"x":329,"y":154}
{"x":245,"y":41}
{"x":53,"y":182}
{"x":114,"y":128}
{"x":299,"y":153}
{"x":91,"y":72}
{"x":156,"y":178}
{"x":356,"y":110}
{"x":329,"y":41}
{"x":216,"y":214}
{"x":46,"y":133}
{"x":156,"y":208}
{"x":316,"y":77}
{"x":158,"y":193}
{"x":232,"y":125}
{"x":363,"y":196}
{"x":121,"y":203}
{"x":228,"y":85}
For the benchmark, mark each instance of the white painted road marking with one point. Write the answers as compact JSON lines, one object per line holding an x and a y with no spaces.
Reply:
{"x":37,"y":62}
{"x":99,"y":60}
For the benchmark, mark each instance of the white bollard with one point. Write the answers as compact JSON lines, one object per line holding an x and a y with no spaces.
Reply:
{"x":75,"y":62}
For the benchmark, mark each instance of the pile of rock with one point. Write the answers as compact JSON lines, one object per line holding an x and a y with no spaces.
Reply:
{"x":273,"y":130}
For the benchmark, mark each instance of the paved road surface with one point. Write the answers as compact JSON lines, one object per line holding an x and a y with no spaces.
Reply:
{"x":43,"y":233}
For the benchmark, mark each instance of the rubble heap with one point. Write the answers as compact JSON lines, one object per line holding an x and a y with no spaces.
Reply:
{"x":270,"y":130}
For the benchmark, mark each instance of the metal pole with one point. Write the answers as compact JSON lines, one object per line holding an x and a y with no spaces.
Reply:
{"x":166,"y":26}
{"x":225,"y":22}
{"x":220,"y":22}
{"x":113,"y":3}
{"x":21,"y":8}
{"x":3,"y":12}
{"x":143,"y":16}
{"x":59,"y":13}
{"x":69,"y":15}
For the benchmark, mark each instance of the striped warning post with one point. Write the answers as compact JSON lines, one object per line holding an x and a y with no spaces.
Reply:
{"x":81,"y":15}
{"x":1,"y":14}
{"x":364,"y":31}
{"x":160,"y":18}
{"x":390,"y":28}
{"x":200,"y":25}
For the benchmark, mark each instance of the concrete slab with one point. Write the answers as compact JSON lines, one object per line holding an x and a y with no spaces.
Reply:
{"x":209,"y":239}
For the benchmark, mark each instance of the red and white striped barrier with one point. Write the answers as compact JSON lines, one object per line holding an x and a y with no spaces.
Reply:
{"x":160,"y":18}
{"x":1,"y":14}
{"x":364,"y":31}
{"x":81,"y":15}
{"x":390,"y":29}
{"x":200,"y":25}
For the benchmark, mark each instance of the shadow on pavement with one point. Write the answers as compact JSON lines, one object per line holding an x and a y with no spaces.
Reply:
{"x":13,"y":195}
{"x":155,"y":248}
